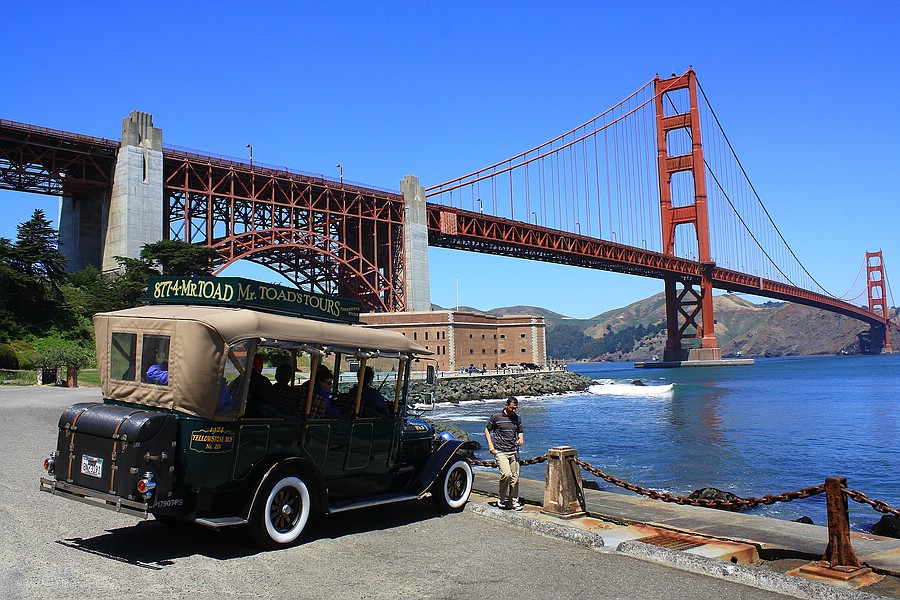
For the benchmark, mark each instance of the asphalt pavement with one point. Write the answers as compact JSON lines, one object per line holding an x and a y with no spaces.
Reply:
{"x":50,"y":546}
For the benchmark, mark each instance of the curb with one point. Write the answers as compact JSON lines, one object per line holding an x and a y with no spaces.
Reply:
{"x":753,"y":577}
{"x":554,"y":530}
{"x":758,"y":578}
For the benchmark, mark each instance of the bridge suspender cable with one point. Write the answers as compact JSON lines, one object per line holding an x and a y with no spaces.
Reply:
{"x":852,"y":285}
{"x":758,"y":199}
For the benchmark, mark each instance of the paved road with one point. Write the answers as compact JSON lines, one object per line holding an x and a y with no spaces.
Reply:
{"x":51,"y":547}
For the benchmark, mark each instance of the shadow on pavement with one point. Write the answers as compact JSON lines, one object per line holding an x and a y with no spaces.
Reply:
{"x":152,"y":545}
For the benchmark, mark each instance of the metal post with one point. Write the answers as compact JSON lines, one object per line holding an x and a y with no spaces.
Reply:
{"x":839,"y":564}
{"x":839,"y":552}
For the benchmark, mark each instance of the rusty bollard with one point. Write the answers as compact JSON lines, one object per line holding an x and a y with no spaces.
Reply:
{"x":839,"y":563}
{"x":839,"y":551}
{"x":563,"y":491}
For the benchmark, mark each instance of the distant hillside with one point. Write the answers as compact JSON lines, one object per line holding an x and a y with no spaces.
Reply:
{"x":637,"y":331}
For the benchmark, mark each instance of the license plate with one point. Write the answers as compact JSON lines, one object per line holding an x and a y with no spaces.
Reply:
{"x":91,"y":465}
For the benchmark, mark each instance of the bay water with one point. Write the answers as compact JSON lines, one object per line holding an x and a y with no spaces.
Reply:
{"x":780,"y":425}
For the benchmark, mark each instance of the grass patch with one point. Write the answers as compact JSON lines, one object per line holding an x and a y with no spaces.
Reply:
{"x":87,"y":377}
{"x":10,"y":377}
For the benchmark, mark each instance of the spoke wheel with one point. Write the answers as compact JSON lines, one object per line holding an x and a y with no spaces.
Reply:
{"x":281,"y":513}
{"x":453,"y":487}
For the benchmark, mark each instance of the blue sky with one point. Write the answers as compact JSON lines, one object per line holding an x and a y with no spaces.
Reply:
{"x":806,"y":91}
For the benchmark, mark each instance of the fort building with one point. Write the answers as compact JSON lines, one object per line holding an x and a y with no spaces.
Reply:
{"x":467,"y":339}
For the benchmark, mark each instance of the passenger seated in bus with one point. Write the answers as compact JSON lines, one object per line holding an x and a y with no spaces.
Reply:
{"x":159,"y":374}
{"x":226,"y":404}
{"x":373,"y":403}
{"x":322,"y":399}
{"x":290,"y":399}
{"x":261,"y":400}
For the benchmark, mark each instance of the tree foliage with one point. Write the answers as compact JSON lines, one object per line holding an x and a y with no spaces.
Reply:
{"x":180,"y":258}
{"x":8,"y":358}
{"x":31,"y":272}
{"x":566,"y":341}
{"x":48,"y":313}
{"x":36,"y":252}
{"x":69,"y":356}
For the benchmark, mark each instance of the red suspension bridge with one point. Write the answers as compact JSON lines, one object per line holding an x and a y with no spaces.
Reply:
{"x":650,"y":187}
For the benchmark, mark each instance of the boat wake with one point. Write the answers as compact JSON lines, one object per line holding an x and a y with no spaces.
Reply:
{"x":630,"y":389}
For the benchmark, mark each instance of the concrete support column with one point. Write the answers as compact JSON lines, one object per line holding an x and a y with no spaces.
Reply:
{"x":82,"y":221}
{"x":563,"y":490}
{"x":417,"y":286}
{"x":135,"y":213}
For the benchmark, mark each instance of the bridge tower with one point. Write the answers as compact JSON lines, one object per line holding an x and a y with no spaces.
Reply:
{"x":135,"y":213}
{"x":694,"y":299}
{"x":875,"y":284}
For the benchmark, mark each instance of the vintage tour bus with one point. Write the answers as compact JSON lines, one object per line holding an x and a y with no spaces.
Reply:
{"x":189,"y":429}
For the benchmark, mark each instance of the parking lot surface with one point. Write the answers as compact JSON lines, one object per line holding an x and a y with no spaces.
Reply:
{"x":50,"y":547}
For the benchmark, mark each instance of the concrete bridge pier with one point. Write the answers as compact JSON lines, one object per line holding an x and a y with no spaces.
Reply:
{"x":417,"y":286}
{"x":82,"y":222}
{"x":134,"y":214}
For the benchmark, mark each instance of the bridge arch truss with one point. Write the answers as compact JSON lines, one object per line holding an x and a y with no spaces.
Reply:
{"x":321,"y":235}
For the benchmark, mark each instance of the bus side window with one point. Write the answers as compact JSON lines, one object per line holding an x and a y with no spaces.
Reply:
{"x":123,"y":356}
{"x":232,"y":388}
{"x":155,"y":359}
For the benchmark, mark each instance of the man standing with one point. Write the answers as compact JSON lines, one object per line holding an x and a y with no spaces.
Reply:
{"x":504,"y":435}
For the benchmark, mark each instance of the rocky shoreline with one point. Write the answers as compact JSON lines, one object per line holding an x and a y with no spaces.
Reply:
{"x":483,"y":387}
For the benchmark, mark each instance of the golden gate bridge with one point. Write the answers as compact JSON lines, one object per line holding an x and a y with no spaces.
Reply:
{"x":650,"y":187}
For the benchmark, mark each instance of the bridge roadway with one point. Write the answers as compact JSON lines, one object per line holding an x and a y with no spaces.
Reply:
{"x":50,"y":547}
{"x":460,"y":229}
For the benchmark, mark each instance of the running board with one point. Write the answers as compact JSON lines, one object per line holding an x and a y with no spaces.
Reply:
{"x":220,"y":522}
{"x":344,"y":505}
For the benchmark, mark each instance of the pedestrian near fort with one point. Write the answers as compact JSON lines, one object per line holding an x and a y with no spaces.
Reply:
{"x":504,"y":435}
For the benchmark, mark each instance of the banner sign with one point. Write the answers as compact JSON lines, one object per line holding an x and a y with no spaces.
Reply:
{"x":238,"y":292}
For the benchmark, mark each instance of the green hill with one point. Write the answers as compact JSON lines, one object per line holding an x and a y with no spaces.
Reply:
{"x":637,"y":331}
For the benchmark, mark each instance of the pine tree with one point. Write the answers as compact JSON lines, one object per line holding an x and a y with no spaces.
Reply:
{"x":181,"y":258}
{"x":36,"y":251}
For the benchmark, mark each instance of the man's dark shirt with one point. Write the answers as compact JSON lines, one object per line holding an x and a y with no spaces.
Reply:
{"x":505,"y":431}
{"x":261,"y":401}
{"x":373,"y":403}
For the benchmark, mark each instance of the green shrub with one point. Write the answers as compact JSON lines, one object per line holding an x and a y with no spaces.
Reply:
{"x":69,"y":356}
{"x":25,"y":352}
{"x":8,"y":358}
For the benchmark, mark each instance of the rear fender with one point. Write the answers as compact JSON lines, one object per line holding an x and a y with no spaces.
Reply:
{"x":446,"y":453}
{"x":317,"y":491}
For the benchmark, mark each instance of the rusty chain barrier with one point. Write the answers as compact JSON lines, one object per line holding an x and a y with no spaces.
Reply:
{"x":879,"y":505}
{"x":737,"y":503}
{"x":493,"y":463}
